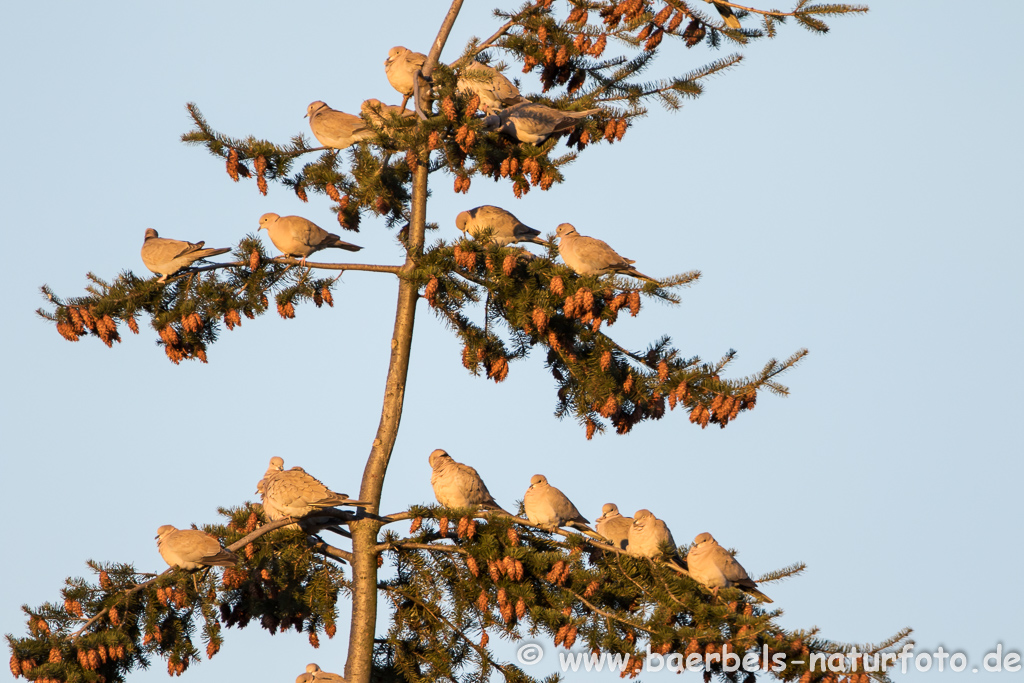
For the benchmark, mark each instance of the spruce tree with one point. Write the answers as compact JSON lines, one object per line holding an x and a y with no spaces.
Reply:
{"x":456,"y":577}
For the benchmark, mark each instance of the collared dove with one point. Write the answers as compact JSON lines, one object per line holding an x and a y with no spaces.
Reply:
{"x":315,"y":673}
{"x":534,"y":123}
{"x":166,"y":256}
{"x":647,"y":533}
{"x":591,"y":256}
{"x":504,"y":227}
{"x":495,"y":91}
{"x":548,"y":507}
{"x":730,"y":19}
{"x":613,"y":526}
{"x":380,"y":113}
{"x":293,"y":493}
{"x":713,"y":566}
{"x":295,"y":236}
{"x":336,"y":129}
{"x":192,"y":549}
{"x":401,"y":67}
{"x":457,"y":485}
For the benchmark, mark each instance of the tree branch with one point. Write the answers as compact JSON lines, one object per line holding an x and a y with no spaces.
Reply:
{"x":754,"y":10}
{"x":504,"y":29}
{"x":608,"y":615}
{"x":327,"y":549}
{"x":287,"y":260}
{"x":410,"y":545}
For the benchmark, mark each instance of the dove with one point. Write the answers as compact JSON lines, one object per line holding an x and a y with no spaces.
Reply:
{"x":494,"y":90}
{"x":192,"y":549}
{"x":590,"y":256}
{"x":295,"y":236}
{"x":548,"y":507}
{"x":730,"y":19}
{"x":504,"y":227}
{"x":613,"y":526}
{"x":647,"y":533}
{"x":457,"y":485}
{"x":336,"y":129}
{"x":166,"y":256}
{"x":315,"y":673}
{"x":401,"y":67}
{"x":380,"y":113}
{"x":293,"y":493}
{"x":534,"y":123}
{"x":713,"y":566}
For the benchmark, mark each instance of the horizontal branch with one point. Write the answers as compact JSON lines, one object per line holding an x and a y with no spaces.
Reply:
{"x":410,"y":545}
{"x":776,"y":13}
{"x":329,"y":550}
{"x":287,"y":260}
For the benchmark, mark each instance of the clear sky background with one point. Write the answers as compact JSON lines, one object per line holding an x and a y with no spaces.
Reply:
{"x":856,"y":194}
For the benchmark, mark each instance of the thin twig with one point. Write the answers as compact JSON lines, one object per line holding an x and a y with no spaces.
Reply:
{"x":608,"y":615}
{"x":287,"y":260}
{"x":327,"y":549}
{"x":504,"y":29}
{"x":754,"y":10}
{"x":409,"y":545}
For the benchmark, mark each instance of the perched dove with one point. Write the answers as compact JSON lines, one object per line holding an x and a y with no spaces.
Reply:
{"x":590,"y":256}
{"x":613,"y":526}
{"x":401,"y":67}
{"x":548,"y":507}
{"x":380,"y":113}
{"x":534,"y":123}
{"x":295,"y":236}
{"x":192,"y":549}
{"x":336,"y":129}
{"x":504,"y":227}
{"x":315,"y":673}
{"x":166,"y":257}
{"x":457,"y":485}
{"x":647,"y":533}
{"x":495,"y":91}
{"x":730,"y":19}
{"x":293,"y":493}
{"x":713,"y":566}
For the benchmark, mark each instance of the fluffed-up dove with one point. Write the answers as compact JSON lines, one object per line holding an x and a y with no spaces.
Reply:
{"x":503,"y":226}
{"x":166,"y":256}
{"x":336,"y":129}
{"x":380,"y":113}
{"x":647,"y":535}
{"x":613,"y":526}
{"x":457,"y":485}
{"x":591,"y":256}
{"x":295,"y":236}
{"x":495,"y":91}
{"x":192,"y":549}
{"x":533,"y":123}
{"x":401,"y":67}
{"x":548,"y":507}
{"x":315,"y":673}
{"x":294,"y":493}
{"x":727,"y":15}
{"x":713,"y":566}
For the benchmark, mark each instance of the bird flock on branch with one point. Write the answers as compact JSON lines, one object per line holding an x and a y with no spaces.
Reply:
{"x":505,"y":111}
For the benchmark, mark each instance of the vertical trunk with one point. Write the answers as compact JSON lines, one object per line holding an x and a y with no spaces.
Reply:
{"x":359,"y":665}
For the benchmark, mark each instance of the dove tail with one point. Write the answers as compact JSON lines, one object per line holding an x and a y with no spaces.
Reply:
{"x":207,"y":253}
{"x":338,"y":243}
{"x":637,"y":274}
{"x":730,"y":19}
{"x":761,"y":597}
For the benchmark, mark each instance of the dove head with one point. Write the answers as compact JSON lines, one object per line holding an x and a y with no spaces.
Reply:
{"x":277,"y":463}
{"x":394,"y":53}
{"x":314,"y":107}
{"x":610,"y":509}
{"x":150,"y":232}
{"x":437,"y":457}
{"x":537,"y":480}
{"x":642,"y":516}
{"x":312,"y":668}
{"x":704,"y":538}
{"x":461,"y":220}
{"x":492,"y":122}
{"x":265,"y":221}
{"x":565,"y":229}
{"x":164,"y":530}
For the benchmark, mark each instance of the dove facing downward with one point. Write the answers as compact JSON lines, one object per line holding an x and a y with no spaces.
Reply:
{"x":591,"y":256}
{"x":315,"y":673}
{"x":293,"y":493}
{"x":297,"y":237}
{"x":336,"y":129}
{"x":503,"y":226}
{"x":166,"y":256}
{"x":613,"y":526}
{"x":533,"y":123}
{"x":715,"y":568}
{"x":192,"y":549}
{"x":494,"y":90}
{"x":401,"y":67}
{"x":548,"y":507}
{"x":456,"y":485}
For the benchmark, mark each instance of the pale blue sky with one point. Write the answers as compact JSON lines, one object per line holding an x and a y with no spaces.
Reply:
{"x":854,"y":194}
